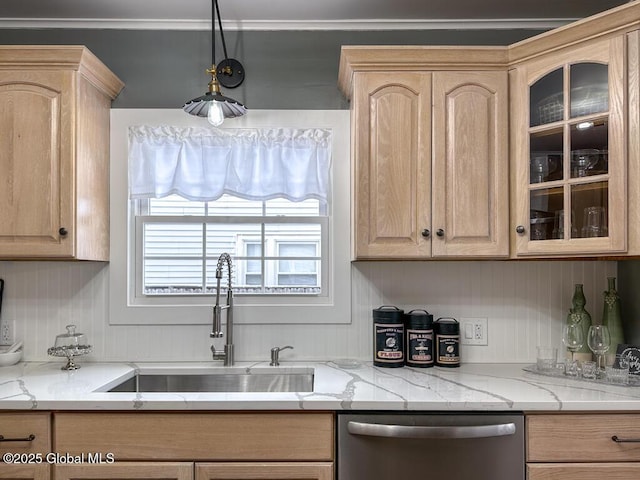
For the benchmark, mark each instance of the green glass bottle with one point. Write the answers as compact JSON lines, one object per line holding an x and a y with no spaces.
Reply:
{"x":611,"y":316}
{"x":578,"y":314}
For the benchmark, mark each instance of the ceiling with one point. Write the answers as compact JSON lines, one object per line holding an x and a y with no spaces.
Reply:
{"x":294,"y":14}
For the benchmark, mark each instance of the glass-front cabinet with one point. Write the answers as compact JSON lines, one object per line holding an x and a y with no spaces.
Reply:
{"x":570,"y":152}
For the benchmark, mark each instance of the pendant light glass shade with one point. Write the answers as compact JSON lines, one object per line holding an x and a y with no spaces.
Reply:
{"x":213,"y":105}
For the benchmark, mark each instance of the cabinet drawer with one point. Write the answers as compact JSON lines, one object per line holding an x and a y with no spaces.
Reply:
{"x":197,"y":436}
{"x":125,"y":470}
{"x":264,"y":471}
{"x":20,"y":426}
{"x":582,"y":438}
{"x":583,"y":471}
{"x":33,"y":471}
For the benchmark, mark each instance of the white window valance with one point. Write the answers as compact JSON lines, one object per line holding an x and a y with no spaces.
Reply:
{"x":202,"y":164}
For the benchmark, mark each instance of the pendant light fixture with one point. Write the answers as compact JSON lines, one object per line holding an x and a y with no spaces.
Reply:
{"x":229,"y":73}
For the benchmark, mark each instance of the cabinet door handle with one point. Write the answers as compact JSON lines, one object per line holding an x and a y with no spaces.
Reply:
{"x":405,"y":431}
{"x":520,"y":229}
{"x":63,"y":231}
{"x":30,"y":438}
{"x":440,"y":233}
{"x":625,"y":440}
{"x":426,"y":233}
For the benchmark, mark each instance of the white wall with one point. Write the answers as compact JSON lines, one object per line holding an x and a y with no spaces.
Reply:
{"x":525,"y":302}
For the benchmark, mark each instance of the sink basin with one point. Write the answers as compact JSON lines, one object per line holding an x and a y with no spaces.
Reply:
{"x":224,"y":380}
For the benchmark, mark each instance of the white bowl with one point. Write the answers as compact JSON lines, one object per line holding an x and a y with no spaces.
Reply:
{"x":7,"y":359}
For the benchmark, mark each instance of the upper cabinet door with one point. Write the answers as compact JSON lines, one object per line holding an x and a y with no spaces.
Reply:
{"x":36,"y":191}
{"x":569,"y":136}
{"x":54,"y":154}
{"x":470,"y":164}
{"x":391,"y":165}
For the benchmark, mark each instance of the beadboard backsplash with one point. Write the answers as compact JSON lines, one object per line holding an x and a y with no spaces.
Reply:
{"x":525,"y":304}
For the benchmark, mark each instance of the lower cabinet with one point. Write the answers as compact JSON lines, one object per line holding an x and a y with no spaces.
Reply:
{"x":583,"y":446}
{"x":125,"y":470}
{"x":266,"y":471}
{"x":583,"y":471}
{"x":196,"y":445}
{"x":24,"y":472}
{"x":190,"y":471}
{"x":25,"y":433}
{"x":27,"y":436}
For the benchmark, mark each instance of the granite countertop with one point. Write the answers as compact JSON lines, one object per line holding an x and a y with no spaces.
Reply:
{"x":337,"y":386}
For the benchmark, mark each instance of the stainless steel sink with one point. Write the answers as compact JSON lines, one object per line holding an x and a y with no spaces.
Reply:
{"x":219,"y":381}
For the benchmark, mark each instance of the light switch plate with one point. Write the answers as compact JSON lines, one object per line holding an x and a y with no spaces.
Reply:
{"x":474,"y":331}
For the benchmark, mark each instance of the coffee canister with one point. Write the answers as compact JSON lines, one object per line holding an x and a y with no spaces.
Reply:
{"x":418,"y":326}
{"x":447,"y":344}
{"x":388,"y":336}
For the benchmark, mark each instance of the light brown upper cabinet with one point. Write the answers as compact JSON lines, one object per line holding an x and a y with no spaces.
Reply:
{"x":569,"y":134}
{"x":430,"y":157}
{"x":54,"y":157}
{"x":575,"y":146}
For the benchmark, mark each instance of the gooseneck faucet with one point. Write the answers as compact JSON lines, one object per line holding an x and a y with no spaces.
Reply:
{"x":216,"y":332}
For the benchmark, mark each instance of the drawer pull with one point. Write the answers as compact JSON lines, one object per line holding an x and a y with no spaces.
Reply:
{"x":625,"y":440}
{"x":30,"y":438}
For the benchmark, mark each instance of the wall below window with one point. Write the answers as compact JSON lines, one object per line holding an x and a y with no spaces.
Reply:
{"x":525,"y":303}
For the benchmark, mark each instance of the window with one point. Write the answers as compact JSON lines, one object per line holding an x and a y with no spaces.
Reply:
{"x":128,"y":307}
{"x":276,"y":245}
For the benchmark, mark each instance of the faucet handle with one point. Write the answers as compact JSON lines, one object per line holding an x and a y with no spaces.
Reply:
{"x":275,"y":351}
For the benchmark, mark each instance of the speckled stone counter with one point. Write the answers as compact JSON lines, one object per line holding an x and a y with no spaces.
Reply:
{"x":480,"y":387}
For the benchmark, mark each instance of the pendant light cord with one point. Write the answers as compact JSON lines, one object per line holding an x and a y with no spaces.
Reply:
{"x":213,"y":32}
{"x":215,"y":11}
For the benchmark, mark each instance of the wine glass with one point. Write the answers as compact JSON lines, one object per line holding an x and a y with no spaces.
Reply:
{"x":573,"y":338}
{"x":599,"y":341}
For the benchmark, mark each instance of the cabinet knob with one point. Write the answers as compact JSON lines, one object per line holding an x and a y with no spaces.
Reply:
{"x":440,"y":233}
{"x":426,"y":233}
{"x":520,"y":229}
{"x":63,"y":231}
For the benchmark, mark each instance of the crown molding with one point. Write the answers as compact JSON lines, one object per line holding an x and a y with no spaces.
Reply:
{"x":267,"y":25}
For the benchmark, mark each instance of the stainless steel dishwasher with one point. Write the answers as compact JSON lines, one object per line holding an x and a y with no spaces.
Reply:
{"x":383,"y":446}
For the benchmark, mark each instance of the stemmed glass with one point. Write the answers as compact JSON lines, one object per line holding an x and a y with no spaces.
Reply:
{"x":573,"y":338}
{"x":599,"y":341}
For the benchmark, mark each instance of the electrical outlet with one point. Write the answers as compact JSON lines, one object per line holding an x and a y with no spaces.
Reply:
{"x":6,"y":332}
{"x":474,"y":331}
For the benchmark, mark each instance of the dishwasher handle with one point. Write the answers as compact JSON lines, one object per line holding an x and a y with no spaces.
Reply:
{"x":439,"y":432}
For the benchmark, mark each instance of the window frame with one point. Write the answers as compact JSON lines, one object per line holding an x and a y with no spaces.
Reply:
{"x":335,"y":308}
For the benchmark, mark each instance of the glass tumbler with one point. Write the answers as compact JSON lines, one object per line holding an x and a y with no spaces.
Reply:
{"x":589,"y":369}
{"x":546,"y":358}
{"x":618,"y":373}
{"x":595,"y":222}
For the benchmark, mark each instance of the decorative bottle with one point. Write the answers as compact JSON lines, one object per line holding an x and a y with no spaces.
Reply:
{"x":611,"y":316}
{"x":578,"y":314}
